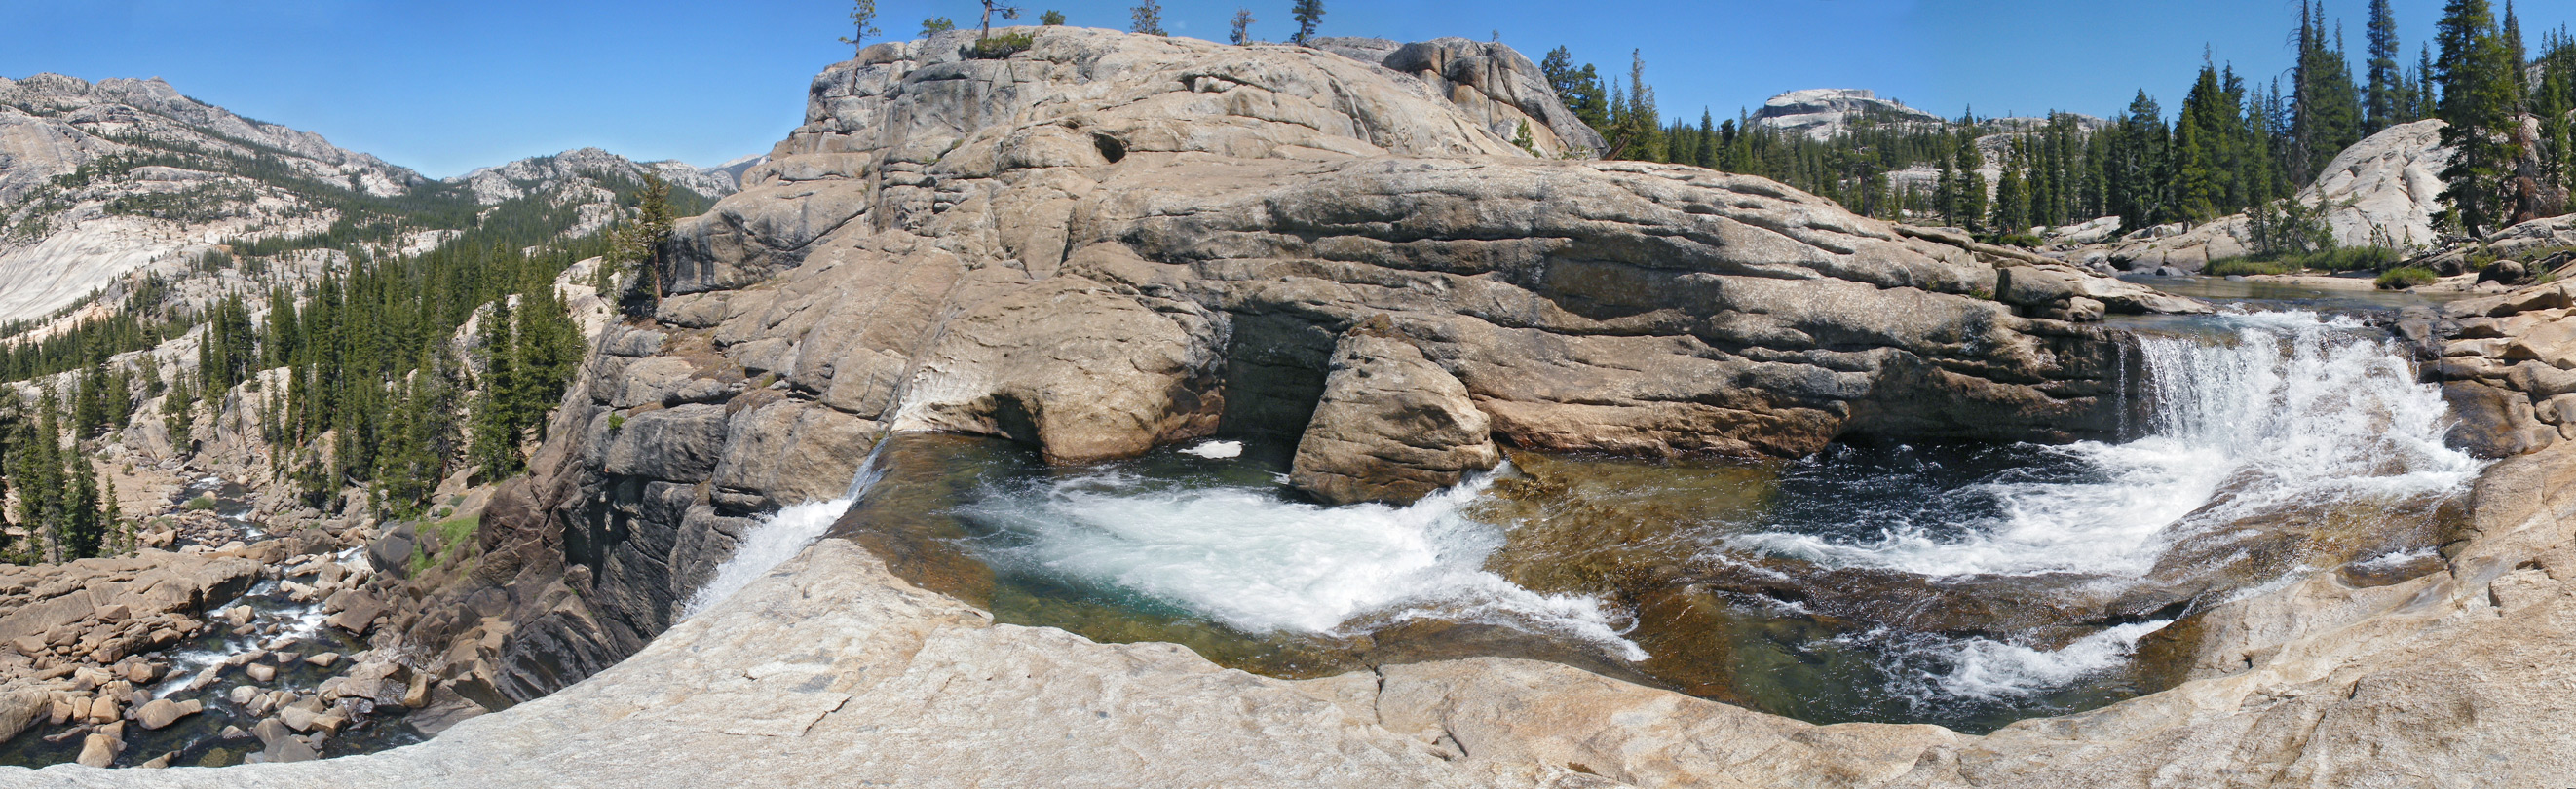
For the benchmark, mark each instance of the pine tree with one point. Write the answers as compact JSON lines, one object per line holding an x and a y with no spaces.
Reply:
{"x":1052,"y":18}
{"x":1639,"y":126}
{"x":2012,"y":199}
{"x":638,"y":246}
{"x":1708,"y":142}
{"x":2481,"y":101}
{"x":1308,"y":14}
{"x":1579,"y":88}
{"x":991,"y":8}
{"x":1241,"y":32}
{"x":2386,"y":96}
{"x":118,"y":537}
{"x":2513,"y":40}
{"x":2200,"y":148}
{"x":496,"y":443}
{"x":863,"y":18}
{"x":1969,"y":195}
{"x":2326,"y":113}
{"x":1146,"y":18}
{"x":2428,"y":94}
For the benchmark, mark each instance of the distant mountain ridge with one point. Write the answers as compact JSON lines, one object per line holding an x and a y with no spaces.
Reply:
{"x":100,"y":179}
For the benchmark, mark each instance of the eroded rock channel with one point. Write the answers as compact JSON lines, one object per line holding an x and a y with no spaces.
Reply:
{"x":1956,"y":583}
{"x":1295,"y":361}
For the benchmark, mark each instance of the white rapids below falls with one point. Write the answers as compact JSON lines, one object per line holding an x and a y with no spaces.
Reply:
{"x":2284,"y":410}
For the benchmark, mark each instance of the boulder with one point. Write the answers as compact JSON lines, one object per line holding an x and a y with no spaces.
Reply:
{"x":99,"y":750}
{"x":260,"y":672}
{"x":2493,"y":423}
{"x":22,"y":707}
{"x":163,"y":712}
{"x":359,"y":616}
{"x":1391,"y":427}
{"x":297,"y":718}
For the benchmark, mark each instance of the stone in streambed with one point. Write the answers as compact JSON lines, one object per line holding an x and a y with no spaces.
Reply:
{"x":260,"y":672}
{"x":297,"y":718}
{"x":163,"y":712}
{"x":99,"y":750}
{"x":2493,"y":423}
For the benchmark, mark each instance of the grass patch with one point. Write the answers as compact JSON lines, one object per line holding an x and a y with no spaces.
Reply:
{"x":2340,"y":259}
{"x":201,"y":502}
{"x":2246,"y":267}
{"x":2404,"y":277}
{"x":453,"y":535}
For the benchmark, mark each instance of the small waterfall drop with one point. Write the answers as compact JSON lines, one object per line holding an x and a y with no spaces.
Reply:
{"x":780,"y":537}
{"x":2286,"y":411}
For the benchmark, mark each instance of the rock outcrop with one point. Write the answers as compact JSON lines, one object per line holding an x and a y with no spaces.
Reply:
{"x":2382,"y":191}
{"x":1824,"y":113}
{"x":2445,"y":679}
{"x":1490,"y":82}
{"x":1111,"y":242}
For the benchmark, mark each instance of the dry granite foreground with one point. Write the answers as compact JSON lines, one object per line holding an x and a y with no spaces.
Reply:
{"x":832,"y":672}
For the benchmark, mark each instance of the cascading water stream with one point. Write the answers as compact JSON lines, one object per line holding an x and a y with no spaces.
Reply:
{"x":779,"y":537}
{"x":1969,"y":585}
{"x":2290,"y":411}
{"x":2287,"y":416}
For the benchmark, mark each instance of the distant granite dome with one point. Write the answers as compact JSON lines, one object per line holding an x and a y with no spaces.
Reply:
{"x":1822,"y":113}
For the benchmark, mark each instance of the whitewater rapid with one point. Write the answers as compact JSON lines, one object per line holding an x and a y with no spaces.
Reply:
{"x":2290,"y":410}
{"x":1260,"y":563}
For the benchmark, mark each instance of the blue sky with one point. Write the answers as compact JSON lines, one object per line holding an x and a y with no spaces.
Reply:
{"x":444,"y":87}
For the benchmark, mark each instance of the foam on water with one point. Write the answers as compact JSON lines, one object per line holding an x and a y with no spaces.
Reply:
{"x":2292,"y":410}
{"x":778,"y":537}
{"x":1258,"y":563}
{"x":1986,"y":669}
{"x":1216,"y":450}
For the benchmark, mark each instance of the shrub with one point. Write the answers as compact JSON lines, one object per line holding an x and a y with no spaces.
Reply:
{"x":201,"y":502}
{"x":2404,"y":277}
{"x":2340,"y":259}
{"x":2351,"y":259}
{"x":2247,"y":266}
{"x":1001,"y":46}
{"x":2023,"y":240}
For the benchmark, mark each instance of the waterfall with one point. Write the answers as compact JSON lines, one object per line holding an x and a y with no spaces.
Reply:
{"x":779,"y":537}
{"x":2286,"y":410}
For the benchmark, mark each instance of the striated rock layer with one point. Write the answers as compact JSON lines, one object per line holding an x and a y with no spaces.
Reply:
{"x":1109,"y":242}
